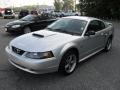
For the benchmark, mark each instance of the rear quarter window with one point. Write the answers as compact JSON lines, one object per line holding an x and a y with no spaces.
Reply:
{"x":102,"y":25}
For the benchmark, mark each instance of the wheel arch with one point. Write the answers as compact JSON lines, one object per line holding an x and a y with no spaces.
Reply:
{"x":111,"y":36}
{"x":27,"y":25}
{"x":67,"y":48}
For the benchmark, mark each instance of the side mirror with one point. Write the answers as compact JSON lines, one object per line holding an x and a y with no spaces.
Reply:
{"x":89,"y":33}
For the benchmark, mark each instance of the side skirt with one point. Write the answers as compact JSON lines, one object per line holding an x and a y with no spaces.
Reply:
{"x":90,"y":55}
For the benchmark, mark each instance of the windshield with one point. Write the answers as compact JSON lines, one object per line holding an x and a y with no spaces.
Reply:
{"x":30,"y":18}
{"x":68,"y":25}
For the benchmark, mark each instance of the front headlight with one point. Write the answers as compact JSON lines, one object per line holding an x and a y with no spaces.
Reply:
{"x":15,"y":26}
{"x":40,"y":55}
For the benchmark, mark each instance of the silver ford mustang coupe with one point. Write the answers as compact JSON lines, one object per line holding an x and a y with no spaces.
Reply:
{"x":61,"y":45}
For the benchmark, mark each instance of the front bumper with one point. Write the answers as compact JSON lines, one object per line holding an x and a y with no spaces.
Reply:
{"x":13,"y":30}
{"x":36,"y":66}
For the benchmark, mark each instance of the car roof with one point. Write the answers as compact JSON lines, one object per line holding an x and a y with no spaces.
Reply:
{"x":82,"y":18}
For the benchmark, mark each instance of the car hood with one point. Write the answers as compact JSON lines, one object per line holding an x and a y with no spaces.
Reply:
{"x":38,"y":43}
{"x":17,"y":22}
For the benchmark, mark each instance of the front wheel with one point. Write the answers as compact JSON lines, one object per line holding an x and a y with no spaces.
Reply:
{"x":68,"y":63}
{"x":5,"y":17}
{"x":108,"y":45}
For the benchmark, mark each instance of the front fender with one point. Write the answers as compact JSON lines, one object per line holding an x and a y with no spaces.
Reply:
{"x":67,"y":47}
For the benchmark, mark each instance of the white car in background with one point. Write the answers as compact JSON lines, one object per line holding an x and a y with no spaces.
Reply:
{"x":8,"y":13}
{"x":64,"y":14}
{"x":71,"y":13}
{"x":57,"y":14}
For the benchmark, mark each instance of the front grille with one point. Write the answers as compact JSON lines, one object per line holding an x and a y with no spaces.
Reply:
{"x":17,"y":51}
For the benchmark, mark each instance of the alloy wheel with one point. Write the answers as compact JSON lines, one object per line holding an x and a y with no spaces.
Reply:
{"x":71,"y":62}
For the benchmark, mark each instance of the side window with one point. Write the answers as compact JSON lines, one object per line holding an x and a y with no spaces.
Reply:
{"x":94,"y":25}
{"x":102,"y":25}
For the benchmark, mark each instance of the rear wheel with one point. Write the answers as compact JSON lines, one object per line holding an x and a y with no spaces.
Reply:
{"x":26,"y":30}
{"x":108,"y":45}
{"x":68,"y":63}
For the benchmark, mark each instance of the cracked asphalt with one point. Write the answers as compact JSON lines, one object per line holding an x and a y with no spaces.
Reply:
{"x":100,"y":72}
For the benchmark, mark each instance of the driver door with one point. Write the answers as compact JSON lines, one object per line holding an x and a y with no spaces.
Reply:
{"x":92,"y":43}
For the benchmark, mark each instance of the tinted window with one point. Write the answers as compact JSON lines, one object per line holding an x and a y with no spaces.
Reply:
{"x":102,"y":25}
{"x":8,"y":11}
{"x":30,"y":18}
{"x":24,"y":12}
{"x":96,"y":25}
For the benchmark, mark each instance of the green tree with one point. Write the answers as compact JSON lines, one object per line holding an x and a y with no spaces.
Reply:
{"x":101,"y":8}
{"x":58,"y":5}
{"x":68,"y":5}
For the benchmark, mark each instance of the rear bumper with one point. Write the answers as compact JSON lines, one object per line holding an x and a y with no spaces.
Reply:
{"x":32,"y":65}
{"x":8,"y":16}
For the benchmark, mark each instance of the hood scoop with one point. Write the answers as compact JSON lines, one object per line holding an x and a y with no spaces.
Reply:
{"x":38,"y":35}
{"x":43,"y":34}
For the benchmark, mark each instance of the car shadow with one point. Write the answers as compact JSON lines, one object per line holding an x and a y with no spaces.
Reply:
{"x":33,"y":80}
{"x":11,"y":34}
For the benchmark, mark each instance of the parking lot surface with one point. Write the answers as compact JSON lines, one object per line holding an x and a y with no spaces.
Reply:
{"x":100,"y":72}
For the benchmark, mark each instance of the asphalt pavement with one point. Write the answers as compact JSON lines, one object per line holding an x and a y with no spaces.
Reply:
{"x":100,"y":72}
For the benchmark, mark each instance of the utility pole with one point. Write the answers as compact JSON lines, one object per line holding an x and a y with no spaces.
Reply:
{"x":75,"y":5}
{"x":13,"y":5}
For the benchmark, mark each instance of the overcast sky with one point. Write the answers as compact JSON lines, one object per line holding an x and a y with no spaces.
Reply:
{"x":7,"y":3}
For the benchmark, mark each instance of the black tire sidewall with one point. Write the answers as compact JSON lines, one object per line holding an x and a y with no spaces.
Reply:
{"x":63,"y":63}
{"x":25,"y":28}
{"x":109,"y":41}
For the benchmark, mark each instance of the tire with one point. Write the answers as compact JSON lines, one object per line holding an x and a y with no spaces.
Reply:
{"x":5,"y":17}
{"x":108,"y":45}
{"x":13,"y":17}
{"x":68,"y":63}
{"x":26,"y":30}
{"x":62,"y":15}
